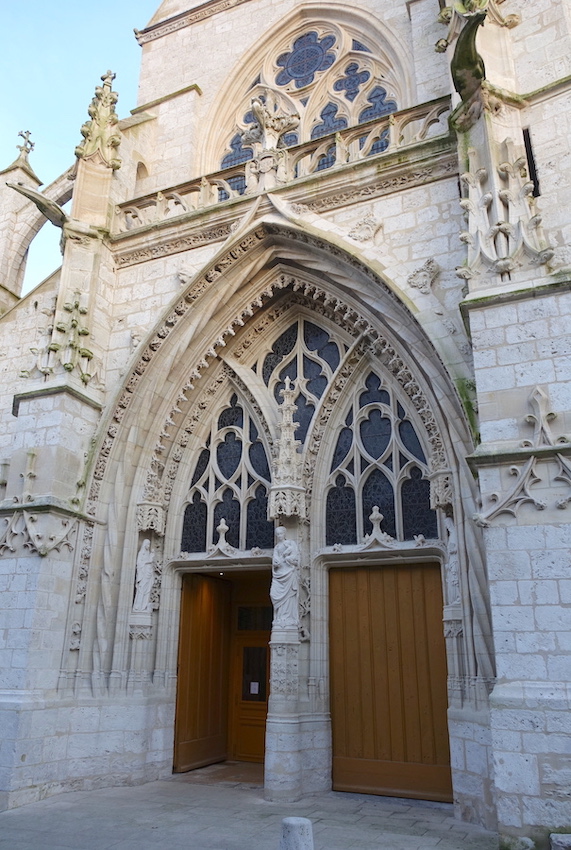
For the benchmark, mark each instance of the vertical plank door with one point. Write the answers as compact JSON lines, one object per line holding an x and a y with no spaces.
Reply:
{"x":388,"y":682}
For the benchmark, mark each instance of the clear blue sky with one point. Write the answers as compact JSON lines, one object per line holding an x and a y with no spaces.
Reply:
{"x":53,"y":55}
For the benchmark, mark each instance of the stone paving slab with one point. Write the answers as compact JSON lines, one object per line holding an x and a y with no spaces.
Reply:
{"x":175,"y":813}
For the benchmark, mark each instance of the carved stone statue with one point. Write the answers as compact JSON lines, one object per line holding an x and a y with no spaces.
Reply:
{"x":272,"y":123}
{"x":453,"y":565}
{"x":144,"y":577}
{"x":284,"y":590}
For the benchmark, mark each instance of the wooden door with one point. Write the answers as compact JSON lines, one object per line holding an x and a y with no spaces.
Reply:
{"x":250,"y":668}
{"x":388,"y":682}
{"x":201,"y":723}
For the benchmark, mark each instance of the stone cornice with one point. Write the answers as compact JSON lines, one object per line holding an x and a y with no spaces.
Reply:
{"x":185,"y":19}
{"x":562,"y":284}
{"x":500,"y":456}
{"x":42,"y":392}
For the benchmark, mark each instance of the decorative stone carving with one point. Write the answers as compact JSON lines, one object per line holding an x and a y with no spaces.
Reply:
{"x":268,"y":168}
{"x":455,"y":15}
{"x":453,"y":563}
{"x":504,"y":229}
{"x":101,"y":134}
{"x":527,"y":475}
{"x":140,"y":632}
{"x":75,"y":641}
{"x":84,"y":563}
{"x":39,"y":533}
{"x":222,"y":547}
{"x":151,"y":517}
{"x":424,"y":277}
{"x":366,"y":229}
{"x":378,"y":539}
{"x":284,"y":589}
{"x":284,"y":669}
{"x":144,"y":577}
{"x":287,"y":496}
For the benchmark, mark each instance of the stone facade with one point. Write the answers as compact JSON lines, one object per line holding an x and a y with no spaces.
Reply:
{"x":395,"y":175}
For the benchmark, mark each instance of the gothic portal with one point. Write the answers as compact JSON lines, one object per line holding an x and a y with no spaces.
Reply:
{"x":286,"y":467}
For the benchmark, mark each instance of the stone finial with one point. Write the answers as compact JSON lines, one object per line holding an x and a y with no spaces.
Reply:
{"x":27,"y":147}
{"x":22,"y":159}
{"x":101,"y":136}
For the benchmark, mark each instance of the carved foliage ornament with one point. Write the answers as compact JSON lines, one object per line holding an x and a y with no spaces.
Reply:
{"x":39,"y":533}
{"x":101,"y":134}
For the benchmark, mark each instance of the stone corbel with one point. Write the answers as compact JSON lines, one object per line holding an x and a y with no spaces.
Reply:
{"x":151,"y":517}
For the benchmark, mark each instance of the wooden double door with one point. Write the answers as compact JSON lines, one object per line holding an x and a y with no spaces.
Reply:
{"x":223,"y":669}
{"x":388,"y":682}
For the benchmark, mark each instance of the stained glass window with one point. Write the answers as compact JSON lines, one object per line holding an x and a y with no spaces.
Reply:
{"x":340,"y":514}
{"x":307,"y":354}
{"x":379,"y":107}
{"x":308,"y":56}
{"x":379,"y":459}
{"x":330,"y":122}
{"x":352,"y":81}
{"x":230,"y":481}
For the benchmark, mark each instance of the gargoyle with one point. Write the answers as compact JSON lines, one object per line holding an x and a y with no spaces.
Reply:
{"x":468,"y":71}
{"x":52,"y":211}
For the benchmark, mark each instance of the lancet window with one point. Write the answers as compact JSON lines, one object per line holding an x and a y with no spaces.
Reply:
{"x":230,"y":481}
{"x":378,"y":460}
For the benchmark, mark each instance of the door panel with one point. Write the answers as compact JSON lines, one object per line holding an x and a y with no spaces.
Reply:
{"x":250,"y":665}
{"x":202,"y":695}
{"x":388,"y":682}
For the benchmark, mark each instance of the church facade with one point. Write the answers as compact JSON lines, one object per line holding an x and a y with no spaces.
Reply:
{"x":285,"y":467}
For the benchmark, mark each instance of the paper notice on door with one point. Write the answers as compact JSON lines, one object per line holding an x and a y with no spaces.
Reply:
{"x":254,"y":687}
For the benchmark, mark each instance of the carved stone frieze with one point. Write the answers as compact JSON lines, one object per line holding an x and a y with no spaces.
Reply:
{"x":173,"y":246}
{"x":181,"y":21}
{"x":527,"y":474}
{"x":140,"y":632}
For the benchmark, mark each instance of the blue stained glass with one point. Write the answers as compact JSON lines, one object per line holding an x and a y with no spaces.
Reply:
{"x":194,"y":526}
{"x":418,"y":518}
{"x":289,"y":371}
{"x":379,"y":145}
{"x":283,"y":345}
{"x":316,"y":380}
{"x":378,"y":491}
{"x":400,"y":411}
{"x":349,"y":417}
{"x":402,"y":460}
{"x":316,"y":339}
{"x":358,"y":45}
{"x":232,"y":416}
{"x":250,"y":480}
{"x":289,"y":139}
{"x":352,"y":81}
{"x":329,"y":122}
{"x":327,"y":160}
{"x":308,"y":55}
{"x":303,"y":415}
{"x":228,"y":509}
{"x":314,"y":336}
{"x":228,"y":455}
{"x":259,"y":531}
{"x":237,"y":183}
{"x":344,"y":443}
{"x":200,"y":467}
{"x":253,"y":432}
{"x":375,"y":433}
{"x":351,"y":467}
{"x":238,"y":154}
{"x":259,"y":460}
{"x":379,"y":105}
{"x":374,"y":393}
{"x":388,"y":463}
{"x":341,"y":515}
{"x":410,"y":440}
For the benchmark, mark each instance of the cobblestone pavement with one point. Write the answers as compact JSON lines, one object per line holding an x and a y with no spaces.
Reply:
{"x":199,"y":812}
